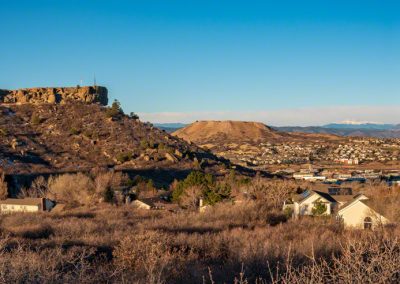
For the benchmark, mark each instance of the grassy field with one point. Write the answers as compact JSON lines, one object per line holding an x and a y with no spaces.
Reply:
{"x":245,"y":243}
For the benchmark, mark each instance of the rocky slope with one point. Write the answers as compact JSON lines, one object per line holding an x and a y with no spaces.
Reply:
{"x":88,"y":94}
{"x":49,"y":138}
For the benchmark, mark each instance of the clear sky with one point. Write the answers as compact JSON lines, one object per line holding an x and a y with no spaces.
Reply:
{"x":280,"y":62}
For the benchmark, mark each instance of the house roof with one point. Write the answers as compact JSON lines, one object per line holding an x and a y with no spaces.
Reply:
{"x":305,"y":195}
{"x":326,"y":196}
{"x":23,"y":201}
{"x":371,"y":203}
{"x":348,"y":204}
{"x":144,"y":201}
{"x":302,"y":196}
{"x":157,"y":202}
{"x":344,"y":198}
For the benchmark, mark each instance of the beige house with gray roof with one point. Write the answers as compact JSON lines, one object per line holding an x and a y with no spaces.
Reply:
{"x":12,"y":205}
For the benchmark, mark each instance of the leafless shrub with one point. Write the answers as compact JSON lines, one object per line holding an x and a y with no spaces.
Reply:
{"x":275,"y":192}
{"x":108,"y":181}
{"x":146,"y":255}
{"x":244,"y":242}
{"x":35,"y":231}
{"x":38,"y":189}
{"x":368,"y":260}
{"x":74,"y":189}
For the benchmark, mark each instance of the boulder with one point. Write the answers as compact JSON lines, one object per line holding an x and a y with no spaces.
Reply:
{"x":171,"y":157}
{"x":88,"y":94}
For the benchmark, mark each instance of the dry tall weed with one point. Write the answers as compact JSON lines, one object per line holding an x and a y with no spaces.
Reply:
{"x":3,"y":187}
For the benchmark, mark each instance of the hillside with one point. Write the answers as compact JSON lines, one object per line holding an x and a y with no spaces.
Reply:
{"x":253,"y":144}
{"x":221,"y":132}
{"x":233,"y":131}
{"x":49,"y":138}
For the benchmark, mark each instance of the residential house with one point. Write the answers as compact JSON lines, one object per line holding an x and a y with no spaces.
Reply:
{"x":302,"y":176}
{"x":305,"y":203}
{"x":352,"y":210}
{"x":142,"y":204}
{"x":361,"y":213}
{"x":12,"y":205}
{"x":154,"y":203}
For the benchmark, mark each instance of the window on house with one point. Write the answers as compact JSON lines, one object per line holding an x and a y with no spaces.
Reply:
{"x":367,"y":223}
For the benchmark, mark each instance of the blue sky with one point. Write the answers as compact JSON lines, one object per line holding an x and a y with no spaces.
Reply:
{"x":280,"y":62}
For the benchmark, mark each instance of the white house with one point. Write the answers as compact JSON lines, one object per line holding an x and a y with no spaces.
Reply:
{"x":12,"y":205}
{"x":154,"y":203}
{"x":360,"y":213}
{"x":305,"y":203}
{"x":302,"y":176}
{"x":141,"y":204}
{"x":356,"y":211}
{"x":308,"y":176}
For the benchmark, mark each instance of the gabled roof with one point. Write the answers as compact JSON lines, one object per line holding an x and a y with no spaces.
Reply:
{"x":344,"y":198}
{"x":356,"y":198}
{"x":347,"y":205}
{"x":373,"y":205}
{"x":302,"y":196}
{"x":326,"y":196}
{"x":156,"y":202}
{"x":308,"y":193}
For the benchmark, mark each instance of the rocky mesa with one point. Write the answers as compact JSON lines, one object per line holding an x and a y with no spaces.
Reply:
{"x":55,"y":95}
{"x":227,"y":131}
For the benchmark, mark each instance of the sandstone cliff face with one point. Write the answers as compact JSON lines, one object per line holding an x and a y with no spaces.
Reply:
{"x":58,"y":95}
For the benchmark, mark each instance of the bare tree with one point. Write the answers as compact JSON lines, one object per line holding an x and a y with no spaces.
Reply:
{"x":38,"y":188}
{"x":273,"y":192}
{"x":190,"y":197}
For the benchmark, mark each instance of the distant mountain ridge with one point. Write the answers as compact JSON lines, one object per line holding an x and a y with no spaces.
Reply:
{"x":360,"y":132}
{"x":374,"y":126}
{"x":170,"y":127}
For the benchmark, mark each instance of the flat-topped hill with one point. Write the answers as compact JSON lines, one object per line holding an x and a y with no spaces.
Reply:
{"x":207,"y":131}
{"x":55,"y":95}
{"x":228,"y":131}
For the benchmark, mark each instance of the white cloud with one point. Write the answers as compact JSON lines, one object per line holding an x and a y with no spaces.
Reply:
{"x":299,"y":116}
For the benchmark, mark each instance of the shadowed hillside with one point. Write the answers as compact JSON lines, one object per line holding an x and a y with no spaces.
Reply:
{"x":76,"y":136}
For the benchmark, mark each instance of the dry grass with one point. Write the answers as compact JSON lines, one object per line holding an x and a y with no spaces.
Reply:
{"x":248,"y":242}
{"x":120,"y":244}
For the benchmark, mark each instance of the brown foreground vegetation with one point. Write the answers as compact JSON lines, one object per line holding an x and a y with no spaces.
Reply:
{"x":245,"y":243}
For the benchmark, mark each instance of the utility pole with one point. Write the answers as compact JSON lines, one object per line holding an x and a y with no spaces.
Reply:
{"x":94,"y":83}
